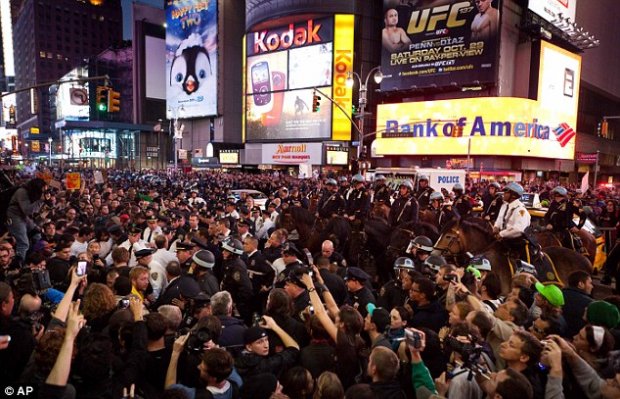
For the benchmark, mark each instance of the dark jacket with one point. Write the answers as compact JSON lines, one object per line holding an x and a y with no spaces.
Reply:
{"x":232,"y":333}
{"x":387,"y":390}
{"x":335,"y":284}
{"x":575,"y":303}
{"x":249,"y":364}
{"x":431,"y":316}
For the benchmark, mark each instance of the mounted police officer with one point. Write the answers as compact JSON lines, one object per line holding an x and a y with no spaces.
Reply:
{"x":462,"y":201}
{"x":444,"y":212}
{"x":381,"y":192}
{"x":559,"y":219}
{"x":420,"y":247}
{"x":513,"y":219}
{"x":492,"y":202}
{"x":423,"y":193}
{"x":358,"y":203}
{"x":405,"y":207}
{"x":331,"y":201}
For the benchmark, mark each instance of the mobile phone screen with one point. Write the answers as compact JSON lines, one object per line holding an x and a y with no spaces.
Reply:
{"x":261,"y":83}
{"x":81,"y":268}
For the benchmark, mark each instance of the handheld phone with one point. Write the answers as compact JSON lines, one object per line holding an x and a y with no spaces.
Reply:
{"x":261,"y":86}
{"x":413,"y":338}
{"x":309,"y":256}
{"x":272,"y":117}
{"x":81,"y":268}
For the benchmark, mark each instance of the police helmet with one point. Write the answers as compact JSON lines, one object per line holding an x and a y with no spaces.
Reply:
{"x":435,"y":262}
{"x":342,"y":179}
{"x":495,"y":184}
{"x":406,"y":183}
{"x":436,"y":196}
{"x":379,"y":177}
{"x":404,"y":263}
{"x":358,"y":178}
{"x":423,"y":177}
{"x":232,"y":245}
{"x":457,"y":187}
{"x":204,"y":258}
{"x":422,"y":243}
{"x":331,"y":182}
{"x":514,"y":188}
{"x":559,"y":190}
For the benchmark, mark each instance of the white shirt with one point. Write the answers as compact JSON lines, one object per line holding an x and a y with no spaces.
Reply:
{"x":163,"y":257}
{"x":512,"y":220}
{"x":149,"y":236}
{"x":263,"y":233}
{"x":141,"y":244}
{"x":157,"y":277}
{"x":78,"y":247}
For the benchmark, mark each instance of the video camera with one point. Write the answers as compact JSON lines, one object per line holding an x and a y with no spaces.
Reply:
{"x":470,"y":354}
{"x":197,"y":339}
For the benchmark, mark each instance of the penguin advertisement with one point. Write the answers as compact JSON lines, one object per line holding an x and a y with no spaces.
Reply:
{"x":191,"y":58}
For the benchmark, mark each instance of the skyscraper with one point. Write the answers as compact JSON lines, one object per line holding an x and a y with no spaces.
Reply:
{"x":51,"y":37}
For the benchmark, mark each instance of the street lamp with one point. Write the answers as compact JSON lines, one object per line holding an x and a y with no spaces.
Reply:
{"x":363,"y":99}
{"x":49,"y":141}
{"x":178,"y":131}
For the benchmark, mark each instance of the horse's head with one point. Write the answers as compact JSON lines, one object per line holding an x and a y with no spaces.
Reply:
{"x":451,"y":241}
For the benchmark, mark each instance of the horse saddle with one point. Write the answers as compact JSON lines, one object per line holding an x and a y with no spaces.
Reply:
{"x":541,"y":266}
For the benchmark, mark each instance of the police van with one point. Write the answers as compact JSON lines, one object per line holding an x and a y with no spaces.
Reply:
{"x":438,"y":178}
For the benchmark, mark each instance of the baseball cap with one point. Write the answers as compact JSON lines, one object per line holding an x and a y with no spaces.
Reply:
{"x":253,"y":334}
{"x":551,"y":293}
{"x":379,"y":316}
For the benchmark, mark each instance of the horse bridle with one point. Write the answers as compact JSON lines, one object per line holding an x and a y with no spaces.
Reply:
{"x":453,"y":238}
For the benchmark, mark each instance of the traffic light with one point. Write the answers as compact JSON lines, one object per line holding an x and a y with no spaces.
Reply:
{"x":316,"y":102}
{"x":353,"y":109}
{"x":103,"y":94}
{"x":114,"y":101}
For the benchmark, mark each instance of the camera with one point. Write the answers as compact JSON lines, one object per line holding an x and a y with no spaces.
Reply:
{"x":413,"y":338}
{"x":449,"y":277}
{"x":41,"y":280}
{"x":197,"y":339}
{"x":123,"y":303}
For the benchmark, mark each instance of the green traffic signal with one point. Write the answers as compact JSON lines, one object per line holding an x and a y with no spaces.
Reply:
{"x":102,"y":107}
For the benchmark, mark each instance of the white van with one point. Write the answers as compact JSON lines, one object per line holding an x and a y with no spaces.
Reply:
{"x":437,"y":178}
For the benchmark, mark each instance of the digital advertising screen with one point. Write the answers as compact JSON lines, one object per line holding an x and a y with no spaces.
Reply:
{"x":487,"y":125}
{"x":550,"y":10}
{"x":191,"y":58}
{"x":283,"y":65}
{"x":439,"y":43}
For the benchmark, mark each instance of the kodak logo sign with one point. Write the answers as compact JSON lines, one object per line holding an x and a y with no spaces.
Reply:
{"x":265,"y":41}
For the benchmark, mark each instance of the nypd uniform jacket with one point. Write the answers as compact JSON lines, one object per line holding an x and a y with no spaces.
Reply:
{"x":463,"y":205}
{"x":360,"y":299}
{"x":493,"y":207}
{"x":237,"y":282}
{"x":423,"y":196}
{"x":404,"y":210}
{"x":391,"y":295}
{"x":560,"y":215}
{"x":330,"y":204}
{"x":358,"y":203}
{"x":512,"y":220}
{"x":383,"y":194}
{"x":260,"y":271}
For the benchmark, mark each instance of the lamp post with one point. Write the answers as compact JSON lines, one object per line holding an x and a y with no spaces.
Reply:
{"x":363,"y":99}
{"x":178,"y":132}
{"x":49,"y":141}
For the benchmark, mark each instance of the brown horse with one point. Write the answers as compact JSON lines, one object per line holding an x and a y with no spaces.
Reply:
{"x":474,"y":235}
{"x":546,"y":238}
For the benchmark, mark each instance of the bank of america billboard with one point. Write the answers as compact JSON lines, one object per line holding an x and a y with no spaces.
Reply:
{"x":445,"y":44}
{"x":191,"y":58}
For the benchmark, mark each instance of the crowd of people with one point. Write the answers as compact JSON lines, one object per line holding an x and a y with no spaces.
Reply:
{"x":157,"y":286}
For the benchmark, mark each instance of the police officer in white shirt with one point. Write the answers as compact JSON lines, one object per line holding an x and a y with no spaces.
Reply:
{"x":513,"y":219}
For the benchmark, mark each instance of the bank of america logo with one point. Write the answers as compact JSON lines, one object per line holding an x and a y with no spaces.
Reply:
{"x":564,"y":133}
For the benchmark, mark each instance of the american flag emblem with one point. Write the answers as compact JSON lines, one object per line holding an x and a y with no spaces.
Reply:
{"x":564,"y":133}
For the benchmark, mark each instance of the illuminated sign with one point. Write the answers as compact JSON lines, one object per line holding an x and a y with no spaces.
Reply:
{"x":229,"y":156}
{"x":493,"y":126}
{"x":551,"y":9}
{"x":558,"y":81}
{"x":445,"y":44}
{"x":279,"y":81}
{"x":336,"y":155}
{"x":191,"y":58}
{"x":292,"y":154}
{"x":343,"y":64}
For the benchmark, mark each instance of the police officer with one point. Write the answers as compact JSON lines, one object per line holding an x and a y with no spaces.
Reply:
{"x":432,"y":264}
{"x":462,"y":202}
{"x":184,"y":252}
{"x":358,"y":203}
{"x":445,"y":212}
{"x":331,"y":201}
{"x":392,"y":293}
{"x":203,"y":262}
{"x":513,"y":219}
{"x":291,"y":257}
{"x":344,"y":188}
{"x":559,"y":218}
{"x":235,"y":279}
{"x":405,"y":207}
{"x":423,"y":193}
{"x":420,"y":247}
{"x":359,"y":294}
{"x":492,"y":202}
{"x":381,"y":192}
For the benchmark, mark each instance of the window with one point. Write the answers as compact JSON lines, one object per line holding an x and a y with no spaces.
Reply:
{"x":42,"y":54}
